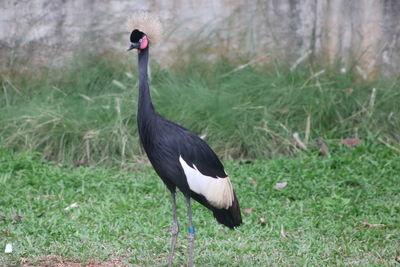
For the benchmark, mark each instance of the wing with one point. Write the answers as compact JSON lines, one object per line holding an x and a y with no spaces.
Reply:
{"x":204,"y":172}
{"x":196,"y":152}
{"x":170,"y":141}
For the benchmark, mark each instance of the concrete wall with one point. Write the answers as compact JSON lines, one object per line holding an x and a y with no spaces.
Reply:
{"x":47,"y":31}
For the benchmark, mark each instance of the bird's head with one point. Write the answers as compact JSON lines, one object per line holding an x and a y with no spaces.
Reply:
{"x":139,"y":40}
{"x":146,"y":28}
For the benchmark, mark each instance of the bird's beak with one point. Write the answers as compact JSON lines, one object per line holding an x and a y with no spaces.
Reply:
{"x":134,"y":46}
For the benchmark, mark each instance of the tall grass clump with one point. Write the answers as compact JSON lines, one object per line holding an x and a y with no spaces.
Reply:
{"x":85,"y":112}
{"x":254,"y":111}
{"x":81,"y":113}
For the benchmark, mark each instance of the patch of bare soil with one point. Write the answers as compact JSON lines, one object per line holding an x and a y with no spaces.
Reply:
{"x":58,"y":261}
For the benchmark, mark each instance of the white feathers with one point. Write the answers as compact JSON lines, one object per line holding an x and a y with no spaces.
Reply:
{"x":217,"y":191}
{"x":147,"y":23}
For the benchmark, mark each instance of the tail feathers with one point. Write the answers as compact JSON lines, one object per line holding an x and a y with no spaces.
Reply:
{"x":230,"y":217}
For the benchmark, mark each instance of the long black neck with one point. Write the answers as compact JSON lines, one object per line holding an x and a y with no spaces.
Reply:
{"x":145,"y":105}
{"x":146,"y":114}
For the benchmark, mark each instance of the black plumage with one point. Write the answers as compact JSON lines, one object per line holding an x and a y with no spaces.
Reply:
{"x":170,"y":147}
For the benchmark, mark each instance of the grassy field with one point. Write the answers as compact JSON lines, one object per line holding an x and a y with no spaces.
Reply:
{"x":85,"y":194}
{"x":85,"y":112}
{"x":338,"y":210}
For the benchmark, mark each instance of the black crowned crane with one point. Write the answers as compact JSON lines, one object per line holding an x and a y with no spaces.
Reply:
{"x":180,"y":158}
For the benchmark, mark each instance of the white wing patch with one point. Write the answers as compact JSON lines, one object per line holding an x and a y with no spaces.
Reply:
{"x":217,"y":191}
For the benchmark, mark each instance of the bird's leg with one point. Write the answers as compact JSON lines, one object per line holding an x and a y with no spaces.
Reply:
{"x":174,"y":231}
{"x":191,"y":232}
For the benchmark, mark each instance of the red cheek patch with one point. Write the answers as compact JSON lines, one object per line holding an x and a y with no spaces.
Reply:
{"x":144,"y":43}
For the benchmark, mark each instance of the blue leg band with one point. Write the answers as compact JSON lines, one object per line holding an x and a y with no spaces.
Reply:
{"x":191,"y":229}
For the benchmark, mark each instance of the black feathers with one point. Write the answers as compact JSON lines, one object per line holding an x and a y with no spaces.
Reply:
{"x":229,"y":217}
{"x":136,"y":35}
{"x":165,"y":142}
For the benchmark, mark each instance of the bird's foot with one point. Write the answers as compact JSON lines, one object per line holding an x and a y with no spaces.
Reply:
{"x":174,"y":235}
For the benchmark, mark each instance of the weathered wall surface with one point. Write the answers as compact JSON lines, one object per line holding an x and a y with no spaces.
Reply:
{"x":47,"y":31}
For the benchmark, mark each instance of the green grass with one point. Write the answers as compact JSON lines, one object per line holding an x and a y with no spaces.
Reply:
{"x":86,"y":111}
{"x":341,"y":210}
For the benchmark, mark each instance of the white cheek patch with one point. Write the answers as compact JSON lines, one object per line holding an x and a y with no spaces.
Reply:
{"x":217,"y":191}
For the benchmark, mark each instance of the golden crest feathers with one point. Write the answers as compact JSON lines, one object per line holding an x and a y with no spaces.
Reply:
{"x":147,"y":23}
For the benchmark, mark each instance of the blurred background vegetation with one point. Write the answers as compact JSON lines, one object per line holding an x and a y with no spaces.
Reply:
{"x":244,"y":77}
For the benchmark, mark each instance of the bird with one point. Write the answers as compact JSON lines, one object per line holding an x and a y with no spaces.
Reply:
{"x":181,"y":159}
